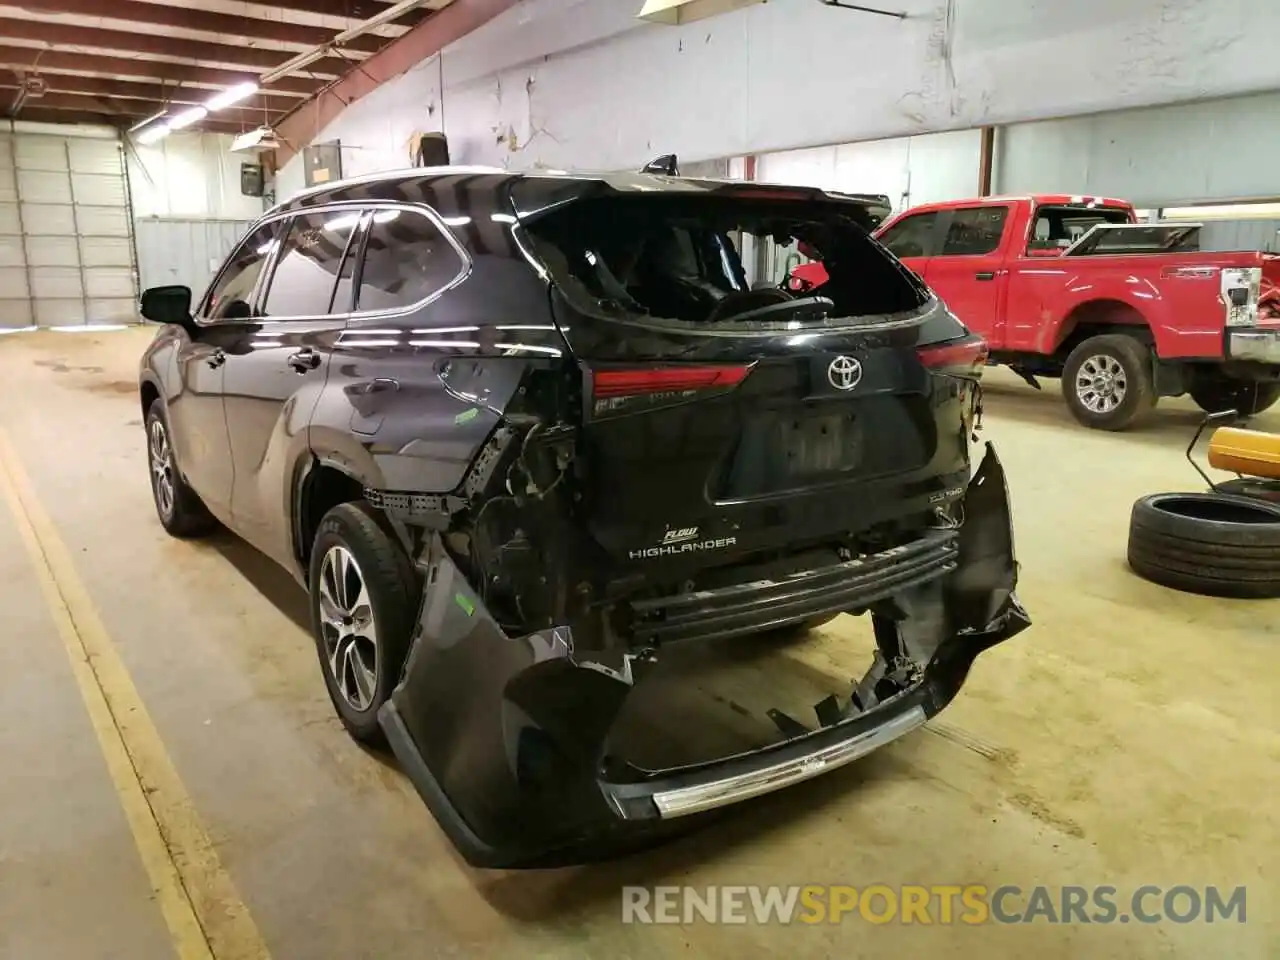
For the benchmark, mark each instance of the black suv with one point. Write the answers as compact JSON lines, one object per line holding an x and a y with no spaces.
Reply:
{"x":526,"y":437}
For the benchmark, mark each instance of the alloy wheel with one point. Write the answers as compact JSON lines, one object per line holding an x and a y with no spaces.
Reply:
{"x":350,"y":633}
{"x":1101,"y":383}
{"x":161,"y":456}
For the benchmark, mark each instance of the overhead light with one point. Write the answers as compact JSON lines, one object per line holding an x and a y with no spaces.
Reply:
{"x":226,"y":98}
{"x":255,"y":141}
{"x":153,"y":133}
{"x":158,"y":115}
{"x":676,"y":12}
{"x":187,"y":117}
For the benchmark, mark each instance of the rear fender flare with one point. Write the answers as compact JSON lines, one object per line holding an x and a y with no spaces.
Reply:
{"x":1105,"y":311}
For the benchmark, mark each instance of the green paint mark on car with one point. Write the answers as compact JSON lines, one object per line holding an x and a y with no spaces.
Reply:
{"x":465,"y":602}
{"x":466,"y":415}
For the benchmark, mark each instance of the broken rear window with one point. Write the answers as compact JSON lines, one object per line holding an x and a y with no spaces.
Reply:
{"x":706,"y":260}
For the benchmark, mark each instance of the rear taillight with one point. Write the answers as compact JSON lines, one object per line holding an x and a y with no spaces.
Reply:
{"x":634,"y":382}
{"x":966,"y":354}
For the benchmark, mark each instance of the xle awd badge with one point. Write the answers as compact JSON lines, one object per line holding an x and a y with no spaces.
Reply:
{"x":844,"y":373}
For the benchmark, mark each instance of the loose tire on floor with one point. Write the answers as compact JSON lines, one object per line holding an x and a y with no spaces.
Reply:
{"x":364,"y":600}
{"x":1207,"y":543}
{"x":1108,"y":383}
{"x":1216,"y":394}
{"x":1268,"y":490}
{"x":181,"y":512}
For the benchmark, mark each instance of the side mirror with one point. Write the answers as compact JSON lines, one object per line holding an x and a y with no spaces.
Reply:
{"x":170,"y":304}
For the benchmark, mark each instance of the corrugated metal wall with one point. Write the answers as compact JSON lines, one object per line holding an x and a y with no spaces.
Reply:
{"x":1222,"y":235}
{"x":65,"y":246}
{"x":184,"y":251}
{"x":1157,"y":157}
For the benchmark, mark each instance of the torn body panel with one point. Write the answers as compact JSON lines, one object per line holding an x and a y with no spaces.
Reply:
{"x":511,"y":740}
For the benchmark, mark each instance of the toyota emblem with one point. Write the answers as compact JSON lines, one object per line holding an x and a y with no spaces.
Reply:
{"x":844,"y":373}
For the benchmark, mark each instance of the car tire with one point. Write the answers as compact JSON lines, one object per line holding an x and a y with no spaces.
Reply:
{"x":1218,"y":393}
{"x":180,"y":509}
{"x":1107,"y":382}
{"x":1207,"y":543}
{"x":1268,"y":490}
{"x":364,"y":601}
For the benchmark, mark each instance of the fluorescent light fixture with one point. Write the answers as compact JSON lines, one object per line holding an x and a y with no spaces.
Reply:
{"x":456,"y":221}
{"x":502,"y":218}
{"x":676,"y":12}
{"x":158,"y":115}
{"x":187,"y":117}
{"x":255,"y":141}
{"x":153,"y":133}
{"x":227,"y":97}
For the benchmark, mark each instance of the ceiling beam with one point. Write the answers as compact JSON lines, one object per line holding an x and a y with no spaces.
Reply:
{"x":103,"y":118}
{"x":240,"y":117}
{"x":156,"y":92}
{"x":353,"y":9}
{"x":152,"y":44}
{"x":461,"y":17}
{"x":162,"y":15}
{"x":43,"y":62}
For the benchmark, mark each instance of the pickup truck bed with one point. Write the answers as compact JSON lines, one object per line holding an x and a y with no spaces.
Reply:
{"x":1072,"y":287}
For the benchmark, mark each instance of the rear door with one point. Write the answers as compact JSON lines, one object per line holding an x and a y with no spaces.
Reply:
{"x":277,"y":365}
{"x":969,"y":271}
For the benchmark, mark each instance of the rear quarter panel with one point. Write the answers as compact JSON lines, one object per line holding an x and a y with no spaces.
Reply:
{"x":1177,"y":302}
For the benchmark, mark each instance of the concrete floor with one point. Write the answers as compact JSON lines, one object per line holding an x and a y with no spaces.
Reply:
{"x":1130,"y":737}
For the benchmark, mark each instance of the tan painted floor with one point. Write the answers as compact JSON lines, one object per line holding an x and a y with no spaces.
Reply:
{"x":1130,"y":737}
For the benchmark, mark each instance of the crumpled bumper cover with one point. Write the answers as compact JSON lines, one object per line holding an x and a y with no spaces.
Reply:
{"x":503,"y":737}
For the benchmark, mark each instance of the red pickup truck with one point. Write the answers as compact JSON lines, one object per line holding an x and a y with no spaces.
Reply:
{"x":1072,"y":287}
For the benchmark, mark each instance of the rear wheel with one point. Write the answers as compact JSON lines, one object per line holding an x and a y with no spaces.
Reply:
{"x":1107,"y":382}
{"x":363,"y":602}
{"x":181,"y":512}
{"x":1216,"y":393}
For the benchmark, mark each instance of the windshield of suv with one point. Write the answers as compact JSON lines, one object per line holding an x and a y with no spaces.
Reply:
{"x":712,"y":260}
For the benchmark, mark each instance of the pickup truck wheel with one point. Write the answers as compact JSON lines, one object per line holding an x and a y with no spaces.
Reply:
{"x":181,"y":512}
{"x":1218,"y":393}
{"x":1207,"y":543}
{"x":363,"y":604}
{"x":1107,"y":382}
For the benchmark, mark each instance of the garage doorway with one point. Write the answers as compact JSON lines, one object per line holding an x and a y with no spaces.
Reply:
{"x":66,"y":247}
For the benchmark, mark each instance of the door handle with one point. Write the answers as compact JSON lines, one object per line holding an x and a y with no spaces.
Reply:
{"x":304,"y":360}
{"x":985,"y":275}
{"x":216,"y":359}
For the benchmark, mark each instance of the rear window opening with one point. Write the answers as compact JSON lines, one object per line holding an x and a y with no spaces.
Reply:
{"x":716,"y":262}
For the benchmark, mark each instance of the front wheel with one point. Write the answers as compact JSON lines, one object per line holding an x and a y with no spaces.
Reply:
{"x":181,"y":512}
{"x":363,"y":603}
{"x":1107,"y":382}
{"x":1216,"y":393}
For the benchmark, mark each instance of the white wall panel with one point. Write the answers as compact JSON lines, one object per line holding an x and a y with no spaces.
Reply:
{"x":184,"y":252}
{"x":192,"y":175}
{"x":580,"y":83}
{"x":1165,"y":156}
{"x":909,"y":170}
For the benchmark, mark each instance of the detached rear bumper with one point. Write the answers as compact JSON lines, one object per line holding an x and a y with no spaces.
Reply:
{"x":506,"y":738}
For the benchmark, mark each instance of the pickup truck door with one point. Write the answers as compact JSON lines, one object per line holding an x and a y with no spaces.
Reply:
{"x":969,"y":270}
{"x":913,"y":238}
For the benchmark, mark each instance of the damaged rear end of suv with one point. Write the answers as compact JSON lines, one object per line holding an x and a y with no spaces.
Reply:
{"x":687,"y":472}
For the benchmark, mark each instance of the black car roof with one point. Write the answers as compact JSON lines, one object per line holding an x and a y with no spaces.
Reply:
{"x":486,"y":190}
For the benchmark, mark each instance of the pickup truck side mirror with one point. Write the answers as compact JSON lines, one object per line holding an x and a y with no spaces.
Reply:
{"x":169,"y":304}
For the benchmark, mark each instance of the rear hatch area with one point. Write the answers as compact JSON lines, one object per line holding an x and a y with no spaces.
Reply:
{"x":724,"y":420}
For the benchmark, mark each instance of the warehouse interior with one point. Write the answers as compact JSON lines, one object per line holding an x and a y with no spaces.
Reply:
{"x":179,"y":782}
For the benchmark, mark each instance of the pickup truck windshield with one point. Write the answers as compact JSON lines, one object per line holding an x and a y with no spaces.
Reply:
{"x":682,"y":258}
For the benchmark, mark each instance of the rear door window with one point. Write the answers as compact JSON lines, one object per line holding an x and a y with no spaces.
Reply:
{"x":407,"y":258}
{"x":975,"y":231}
{"x":912,"y":236}
{"x":310,"y":262}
